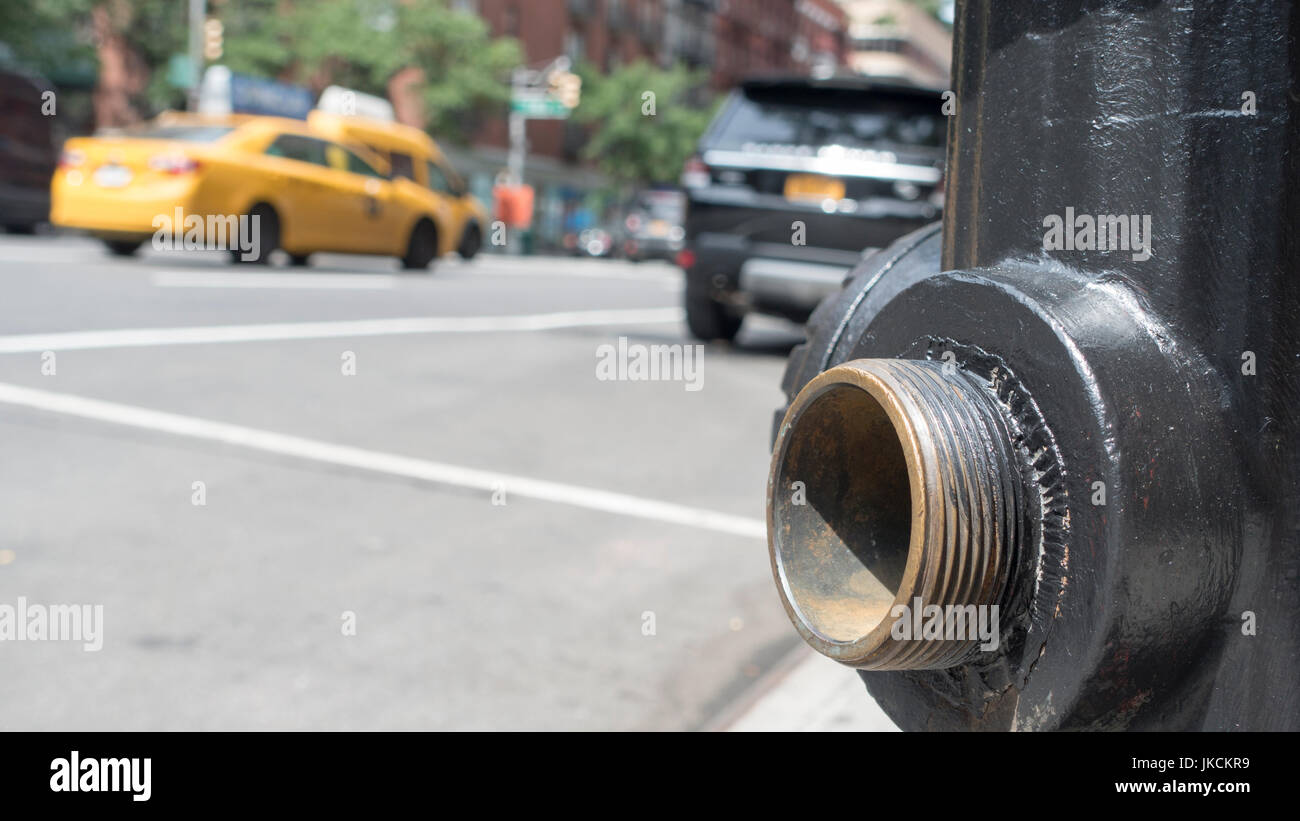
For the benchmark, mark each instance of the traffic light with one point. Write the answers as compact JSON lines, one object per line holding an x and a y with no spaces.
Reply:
{"x":567,"y":88}
{"x":212,"y":33}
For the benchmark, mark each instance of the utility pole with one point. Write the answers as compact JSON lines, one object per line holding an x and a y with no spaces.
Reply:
{"x":549,"y":93}
{"x":518,"y":124}
{"x":198,"y":13}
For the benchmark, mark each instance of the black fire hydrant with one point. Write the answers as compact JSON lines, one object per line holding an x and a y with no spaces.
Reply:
{"x":1039,"y":466}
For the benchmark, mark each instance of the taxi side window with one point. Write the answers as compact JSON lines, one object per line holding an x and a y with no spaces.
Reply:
{"x":438,"y":180}
{"x":297,"y":147}
{"x":359,"y":166}
{"x":402,"y":164}
{"x":336,"y":157}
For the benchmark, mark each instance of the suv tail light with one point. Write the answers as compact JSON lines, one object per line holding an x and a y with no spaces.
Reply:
{"x":695,"y":174}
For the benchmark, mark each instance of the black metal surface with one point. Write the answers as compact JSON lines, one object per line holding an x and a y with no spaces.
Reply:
{"x":1133,"y":369}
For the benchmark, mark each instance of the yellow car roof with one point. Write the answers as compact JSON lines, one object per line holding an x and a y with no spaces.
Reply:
{"x":384,"y":135}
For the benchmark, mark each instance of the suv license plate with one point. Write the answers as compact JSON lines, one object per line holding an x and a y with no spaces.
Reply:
{"x":813,"y":187}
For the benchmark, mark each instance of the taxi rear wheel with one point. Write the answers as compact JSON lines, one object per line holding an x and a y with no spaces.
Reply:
{"x":470,"y":242}
{"x":422,"y":247}
{"x":267,"y":236}
{"x":123,"y":247}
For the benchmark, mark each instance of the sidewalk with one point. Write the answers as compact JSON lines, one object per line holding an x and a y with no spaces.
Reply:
{"x":806,"y":693}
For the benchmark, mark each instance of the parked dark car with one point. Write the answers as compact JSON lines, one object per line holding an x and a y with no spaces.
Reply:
{"x":27,"y":151}
{"x":794,"y":180}
{"x":653,"y":227}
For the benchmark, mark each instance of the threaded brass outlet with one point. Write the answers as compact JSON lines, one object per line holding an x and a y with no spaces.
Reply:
{"x":892,"y":482}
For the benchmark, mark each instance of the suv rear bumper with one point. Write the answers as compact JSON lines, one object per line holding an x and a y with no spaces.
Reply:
{"x":769,"y":277}
{"x":793,"y":285}
{"x":729,"y":230}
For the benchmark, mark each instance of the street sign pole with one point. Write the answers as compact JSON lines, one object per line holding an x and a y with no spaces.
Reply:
{"x":198,"y":13}
{"x":530,"y":99}
{"x":518,"y":129}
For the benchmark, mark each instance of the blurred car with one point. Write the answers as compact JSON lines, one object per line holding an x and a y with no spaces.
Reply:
{"x":417,"y":164}
{"x":594,"y":242}
{"x":309,"y":192}
{"x":653,"y":226}
{"x":795,"y":180}
{"x":27,"y":151}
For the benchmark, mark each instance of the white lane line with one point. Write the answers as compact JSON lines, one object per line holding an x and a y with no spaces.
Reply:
{"x":534,"y":269}
{"x":378,"y":462}
{"x":343,"y":282}
{"x":138,"y":337}
{"x":62,"y":257}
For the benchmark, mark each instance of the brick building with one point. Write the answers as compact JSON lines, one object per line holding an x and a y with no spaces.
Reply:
{"x":894,"y":38}
{"x":730,"y":39}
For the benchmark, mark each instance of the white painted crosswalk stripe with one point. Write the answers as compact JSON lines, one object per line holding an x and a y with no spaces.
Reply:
{"x":378,"y":462}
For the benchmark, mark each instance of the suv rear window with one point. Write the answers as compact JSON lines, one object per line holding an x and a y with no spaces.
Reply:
{"x":828,"y":116}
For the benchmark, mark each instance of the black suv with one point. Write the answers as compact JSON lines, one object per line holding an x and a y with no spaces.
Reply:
{"x":797,"y":178}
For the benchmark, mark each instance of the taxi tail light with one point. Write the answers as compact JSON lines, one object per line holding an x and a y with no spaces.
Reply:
{"x":174,"y":164}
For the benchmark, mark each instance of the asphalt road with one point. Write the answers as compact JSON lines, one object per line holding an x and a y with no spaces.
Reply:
{"x":517,"y":543}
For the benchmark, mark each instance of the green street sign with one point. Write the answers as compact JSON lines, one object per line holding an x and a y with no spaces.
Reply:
{"x":180,"y":71}
{"x":539,"y":108}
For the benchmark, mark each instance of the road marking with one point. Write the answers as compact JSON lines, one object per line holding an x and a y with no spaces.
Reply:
{"x":344,"y":282}
{"x":139,"y":337}
{"x":536,"y":267}
{"x":58,"y":257}
{"x":378,"y":462}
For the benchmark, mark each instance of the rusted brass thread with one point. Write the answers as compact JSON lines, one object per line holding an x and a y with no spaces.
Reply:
{"x":892,"y":481}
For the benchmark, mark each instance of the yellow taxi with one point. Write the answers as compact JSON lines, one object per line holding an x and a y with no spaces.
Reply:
{"x":302,"y":187}
{"x":418,"y":167}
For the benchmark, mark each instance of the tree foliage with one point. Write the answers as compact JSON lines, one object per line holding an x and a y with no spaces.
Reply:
{"x":360,"y":44}
{"x":630,"y":144}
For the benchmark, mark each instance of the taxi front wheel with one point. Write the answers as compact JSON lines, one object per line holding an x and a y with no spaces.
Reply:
{"x":470,"y":242}
{"x":422,"y":247}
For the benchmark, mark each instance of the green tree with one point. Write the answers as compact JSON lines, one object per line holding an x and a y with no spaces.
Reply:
{"x":645,"y":123}
{"x":67,"y":39}
{"x":362,"y":44}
